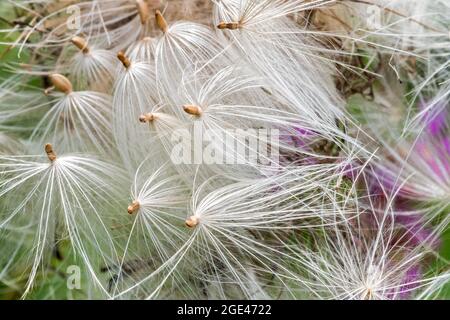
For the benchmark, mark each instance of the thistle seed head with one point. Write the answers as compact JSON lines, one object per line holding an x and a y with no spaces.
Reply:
{"x":124,"y":59}
{"x":133,"y":207}
{"x":229,"y":25}
{"x":61,"y":83}
{"x":50,"y":152}
{"x":161,"y":22}
{"x":193,"y":110}
{"x":143,"y":11}
{"x":146,"y":118}
{"x":80,"y":43}
{"x":192,"y":222}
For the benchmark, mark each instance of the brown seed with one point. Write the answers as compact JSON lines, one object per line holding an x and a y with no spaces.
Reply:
{"x":228,"y":25}
{"x":193,"y":110}
{"x":143,"y":11}
{"x":61,"y":83}
{"x":161,"y":22}
{"x":145,"y":118}
{"x":133,"y":207}
{"x":191,"y":222}
{"x":123,"y":58}
{"x":50,"y":152}
{"x":81,"y":44}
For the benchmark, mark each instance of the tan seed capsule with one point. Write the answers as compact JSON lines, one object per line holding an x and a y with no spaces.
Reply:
{"x":50,"y":152}
{"x":81,"y":44}
{"x":228,"y":25}
{"x":145,"y":118}
{"x":193,"y":110}
{"x":124,"y":59}
{"x":161,"y":22}
{"x":133,"y":207}
{"x":191,"y":222}
{"x":61,"y":83}
{"x":143,"y":11}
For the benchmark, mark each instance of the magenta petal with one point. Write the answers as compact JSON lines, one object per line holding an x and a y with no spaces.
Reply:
{"x":417,"y":233}
{"x":436,"y":122}
{"x":413,"y":275}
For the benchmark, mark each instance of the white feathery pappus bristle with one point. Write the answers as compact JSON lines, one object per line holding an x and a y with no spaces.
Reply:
{"x":60,"y":188}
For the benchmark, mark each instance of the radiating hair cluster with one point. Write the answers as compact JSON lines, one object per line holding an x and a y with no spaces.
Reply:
{"x":225,"y":149}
